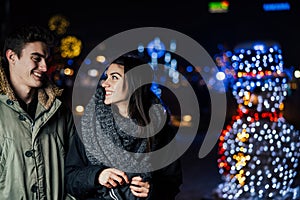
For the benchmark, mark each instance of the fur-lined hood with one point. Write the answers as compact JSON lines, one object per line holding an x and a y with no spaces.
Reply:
{"x":46,"y":95}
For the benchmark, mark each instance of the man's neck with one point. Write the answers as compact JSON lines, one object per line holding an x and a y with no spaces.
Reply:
{"x":30,"y":107}
{"x":24,"y":93}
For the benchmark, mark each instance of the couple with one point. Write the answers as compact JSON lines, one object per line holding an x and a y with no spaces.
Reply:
{"x":110,"y":158}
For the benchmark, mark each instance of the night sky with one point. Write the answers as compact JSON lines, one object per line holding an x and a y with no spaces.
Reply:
{"x":92,"y":22}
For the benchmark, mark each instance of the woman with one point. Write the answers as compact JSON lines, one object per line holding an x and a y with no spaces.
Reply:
{"x":111,"y":160}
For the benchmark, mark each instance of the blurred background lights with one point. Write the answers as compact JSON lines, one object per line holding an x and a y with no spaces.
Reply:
{"x":167,"y":57}
{"x":87,"y":61}
{"x":101,"y":59}
{"x":189,"y":68}
{"x":68,"y":72}
{"x":297,"y":73}
{"x":187,"y":118}
{"x":70,"y":47}
{"x":220,"y":76}
{"x":218,"y":6}
{"x":93,"y":72}
{"x":258,"y":47}
{"x":276,"y":6}
{"x":79,"y":109}
{"x":173,"y":46}
{"x":156,"y":47}
{"x":141,"y":48}
{"x":59,"y":24}
{"x":70,"y":62}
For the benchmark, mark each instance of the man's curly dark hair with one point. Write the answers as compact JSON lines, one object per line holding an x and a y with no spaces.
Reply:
{"x":26,"y":34}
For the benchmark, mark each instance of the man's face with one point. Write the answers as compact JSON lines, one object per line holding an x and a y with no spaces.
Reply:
{"x":30,"y":69}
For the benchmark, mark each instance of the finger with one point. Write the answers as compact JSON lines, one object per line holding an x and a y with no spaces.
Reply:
{"x":112,"y":182}
{"x":140,"y":184}
{"x":117,"y":178}
{"x":121,"y":174}
{"x":107,"y":185}
{"x":139,"y":192}
{"x":139,"y":189}
{"x":105,"y":176}
{"x":137,"y":178}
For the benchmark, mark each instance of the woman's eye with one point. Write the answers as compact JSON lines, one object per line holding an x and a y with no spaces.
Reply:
{"x":114,"y":78}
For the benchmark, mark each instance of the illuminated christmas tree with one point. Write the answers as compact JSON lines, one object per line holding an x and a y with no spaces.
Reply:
{"x":258,"y":150}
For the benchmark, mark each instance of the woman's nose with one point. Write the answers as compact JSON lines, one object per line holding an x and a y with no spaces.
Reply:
{"x":105,"y":83}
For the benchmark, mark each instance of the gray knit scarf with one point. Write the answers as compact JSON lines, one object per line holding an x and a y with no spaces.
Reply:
{"x":109,"y":138}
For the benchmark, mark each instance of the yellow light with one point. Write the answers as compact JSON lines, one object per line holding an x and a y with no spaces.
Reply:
{"x":70,"y":47}
{"x":100,"y":59}
{"x":79,"y":109}
{"x":281,"y":106}
{"x":59,"y":24}
{"x":187,"y":118}
{"x":68,"y":72}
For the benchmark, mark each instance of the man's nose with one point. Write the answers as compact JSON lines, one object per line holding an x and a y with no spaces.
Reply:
{"x":43,"y":65}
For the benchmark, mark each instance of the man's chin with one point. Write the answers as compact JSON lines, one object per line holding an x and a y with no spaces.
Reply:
{"x":37,"y":84}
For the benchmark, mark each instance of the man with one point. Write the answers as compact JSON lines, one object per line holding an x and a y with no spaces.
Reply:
{"x":35,"y":126}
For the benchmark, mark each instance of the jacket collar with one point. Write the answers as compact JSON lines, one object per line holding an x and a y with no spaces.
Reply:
{"x":46,"y":95}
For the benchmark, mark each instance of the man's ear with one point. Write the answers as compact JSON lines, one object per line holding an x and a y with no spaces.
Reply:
{"x":10,"y":55}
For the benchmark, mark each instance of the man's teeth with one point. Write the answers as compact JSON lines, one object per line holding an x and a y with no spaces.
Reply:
{"x":37,"y":74}
{"x":108,"y":92}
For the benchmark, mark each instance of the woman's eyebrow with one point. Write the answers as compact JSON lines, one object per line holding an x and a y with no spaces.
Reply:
{"x":113,"y":73}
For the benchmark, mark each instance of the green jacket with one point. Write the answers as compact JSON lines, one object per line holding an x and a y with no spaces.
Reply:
{"x":32,"y":151}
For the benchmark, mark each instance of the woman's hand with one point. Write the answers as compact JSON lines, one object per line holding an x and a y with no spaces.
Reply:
{"x":112,"y":177}
{"x":138,"y":187}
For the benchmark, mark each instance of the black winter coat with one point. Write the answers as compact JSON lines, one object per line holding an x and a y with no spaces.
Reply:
{"x":81,"y":179}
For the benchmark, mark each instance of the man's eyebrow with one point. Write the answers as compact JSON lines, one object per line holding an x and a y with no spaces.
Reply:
{"x":38,"y":54}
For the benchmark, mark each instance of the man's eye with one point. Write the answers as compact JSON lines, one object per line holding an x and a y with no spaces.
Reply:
{"x":37,"y":58}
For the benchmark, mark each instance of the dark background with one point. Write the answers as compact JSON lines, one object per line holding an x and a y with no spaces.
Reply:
{"x":94,"y":21}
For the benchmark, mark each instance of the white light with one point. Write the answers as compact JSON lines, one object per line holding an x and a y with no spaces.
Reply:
{"x":220,"y":76}
{"x":297,"y":73}
{"x":79,"y":108}
{"x":93,"y":72}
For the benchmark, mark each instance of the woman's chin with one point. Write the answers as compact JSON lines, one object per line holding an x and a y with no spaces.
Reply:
{"x":107,"y":102}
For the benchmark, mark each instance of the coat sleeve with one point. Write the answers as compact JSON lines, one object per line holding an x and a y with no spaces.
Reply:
{"x":80,"y":174}
{"x":167,"y":181}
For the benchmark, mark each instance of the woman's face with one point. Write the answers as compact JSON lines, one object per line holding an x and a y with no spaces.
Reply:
{"x":116,"y":86}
